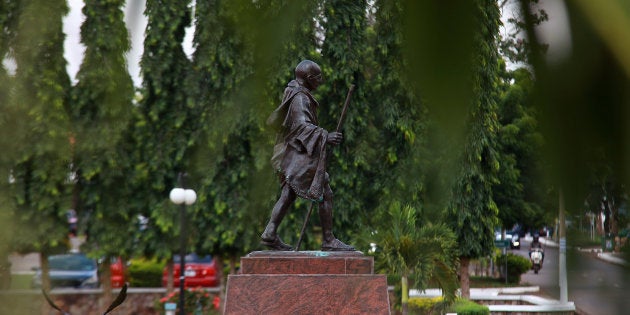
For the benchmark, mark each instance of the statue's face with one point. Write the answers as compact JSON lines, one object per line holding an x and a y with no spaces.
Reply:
{"x":314,"y":79}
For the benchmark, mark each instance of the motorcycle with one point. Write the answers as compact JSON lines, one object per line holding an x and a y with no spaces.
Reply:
{"x":536,"y":257}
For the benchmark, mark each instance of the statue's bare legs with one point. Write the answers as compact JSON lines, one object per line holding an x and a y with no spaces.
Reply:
{"x":270,"y":237}
{"x":329,"y":242}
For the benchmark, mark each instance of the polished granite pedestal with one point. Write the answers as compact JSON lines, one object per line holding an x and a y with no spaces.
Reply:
{"x":307,"y":282}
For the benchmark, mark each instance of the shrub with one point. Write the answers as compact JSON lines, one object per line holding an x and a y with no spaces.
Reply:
{"x":145,"y":273}
{"x":424,"y":306}
{"x":516,"y":266}
{"x":196,"y":301}
{"x":467,"y":307}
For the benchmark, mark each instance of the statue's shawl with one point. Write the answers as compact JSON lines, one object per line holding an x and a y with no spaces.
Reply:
{"x":300,"y":151}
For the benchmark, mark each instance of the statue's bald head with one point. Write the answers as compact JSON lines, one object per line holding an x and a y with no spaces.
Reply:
{"x":308,"y":74}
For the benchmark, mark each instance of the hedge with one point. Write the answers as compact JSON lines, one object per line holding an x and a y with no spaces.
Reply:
{"x":145,"y":273}
{"x":516,"y":266}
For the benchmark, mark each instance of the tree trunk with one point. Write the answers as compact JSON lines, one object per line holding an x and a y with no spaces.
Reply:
{"x":218,"y":263}
{"x":169,"y":277}
{"x":464,"y":277}
{"x":232,"y":265}
{"x":43,"y":263}
{"x":106,"y":281}
{"x":404,"y":283}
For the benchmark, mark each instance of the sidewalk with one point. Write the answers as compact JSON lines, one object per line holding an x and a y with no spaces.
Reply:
{"x":611,"y":257}
{"x":24,"y":264}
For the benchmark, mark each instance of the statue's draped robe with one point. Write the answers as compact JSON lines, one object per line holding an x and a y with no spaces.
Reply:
{"x":300,"y":152}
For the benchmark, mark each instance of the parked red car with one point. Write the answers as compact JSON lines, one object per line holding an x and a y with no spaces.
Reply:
{"x":200,"y":271}
{"x":118,"y":270}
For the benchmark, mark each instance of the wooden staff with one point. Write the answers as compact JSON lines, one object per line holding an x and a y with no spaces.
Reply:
{"x":339,"y":124}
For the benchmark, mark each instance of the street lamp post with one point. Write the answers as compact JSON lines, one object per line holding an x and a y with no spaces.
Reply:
{"x":183,"y":197}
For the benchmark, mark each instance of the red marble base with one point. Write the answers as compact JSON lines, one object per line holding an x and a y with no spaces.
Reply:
{"x":307,"y":283}
{"x":307,"y":262}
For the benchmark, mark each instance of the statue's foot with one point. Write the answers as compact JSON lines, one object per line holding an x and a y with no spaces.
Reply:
{"x":276,"y":244}
{"x":336,"y":245}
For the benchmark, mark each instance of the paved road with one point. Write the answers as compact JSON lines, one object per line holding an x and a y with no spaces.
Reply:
{"x":595,"y":286}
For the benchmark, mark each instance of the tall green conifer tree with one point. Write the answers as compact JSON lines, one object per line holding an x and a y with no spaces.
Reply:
{"x":101,"y":107}
{"x":472,"y":212}
{"x":40,"y":183}
{"x":164,"y":124}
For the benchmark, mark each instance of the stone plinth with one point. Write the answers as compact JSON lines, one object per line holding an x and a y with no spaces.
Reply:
{"x":309,"y":282}
{"x":307,"y":262}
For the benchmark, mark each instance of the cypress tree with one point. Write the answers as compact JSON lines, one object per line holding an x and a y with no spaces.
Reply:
{"x":163,"y":125}
{"x":101,"y":107}
{"x":40,"y":173}
{"x":472,"y":212}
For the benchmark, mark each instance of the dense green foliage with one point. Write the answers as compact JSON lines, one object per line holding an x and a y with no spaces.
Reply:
{"x":173,"y":127}
{"x":351,"y":163}
{"x":41,"y":156}
{"x":163,"y":124}
{"x":100,"y":108}
{"x":472,"y":211}
{"x":398,"y":122}
{"x":518,"y":194}
{"x":225,"y":156}
{"x":436,"y":123}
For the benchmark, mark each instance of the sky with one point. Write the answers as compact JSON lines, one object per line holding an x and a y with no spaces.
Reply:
{"x":136,"y":23}
{"x":555,"y":32}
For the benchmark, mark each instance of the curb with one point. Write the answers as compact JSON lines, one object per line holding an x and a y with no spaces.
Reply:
{"x":537,"y":304}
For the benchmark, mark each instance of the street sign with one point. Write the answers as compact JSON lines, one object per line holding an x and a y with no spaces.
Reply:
{"x":501,"y":243}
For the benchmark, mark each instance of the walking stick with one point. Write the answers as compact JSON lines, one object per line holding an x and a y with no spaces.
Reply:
{"x":308,"y":214}
{"x":339,"y":124}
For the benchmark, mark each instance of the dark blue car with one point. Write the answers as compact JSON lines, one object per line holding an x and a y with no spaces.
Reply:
{"x":69,"y":270}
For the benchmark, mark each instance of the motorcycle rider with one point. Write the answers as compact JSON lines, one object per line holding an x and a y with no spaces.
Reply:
{"x":536,"y":244}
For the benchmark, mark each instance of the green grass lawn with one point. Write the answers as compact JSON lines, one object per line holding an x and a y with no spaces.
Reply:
{"x":579,"y":238}
{"x":21,"y":282}
{"x":488,"y":282}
